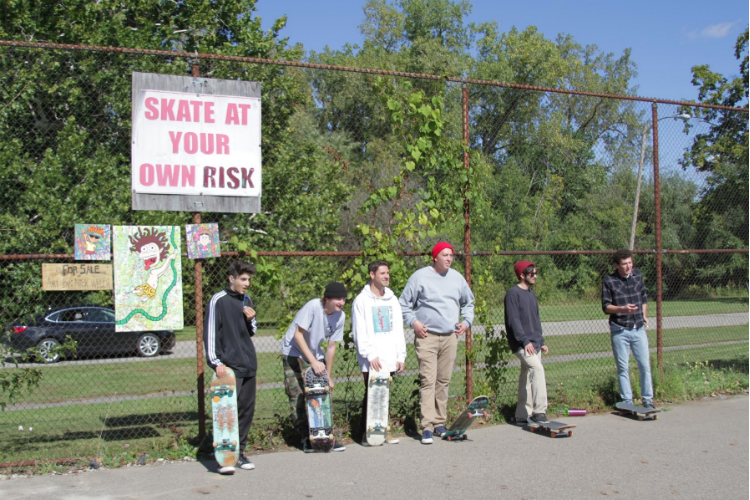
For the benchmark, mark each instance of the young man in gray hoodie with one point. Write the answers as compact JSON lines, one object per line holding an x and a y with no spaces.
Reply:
{"x":378,"y":332}
{"x":434,"y":299}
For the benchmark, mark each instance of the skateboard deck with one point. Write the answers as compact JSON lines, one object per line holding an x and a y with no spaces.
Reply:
{"x":554,"y":428}
{"x":224,"y":410}
{"x":378,"y":391}
{"x":318,"y":398}
{"x":467,"y":417}
{"x":641,"y":412}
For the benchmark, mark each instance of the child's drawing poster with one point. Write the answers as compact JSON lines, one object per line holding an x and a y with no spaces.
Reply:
{"x":92,"y":242}
{"x":148,"y":278}
{"x":203,"y":240}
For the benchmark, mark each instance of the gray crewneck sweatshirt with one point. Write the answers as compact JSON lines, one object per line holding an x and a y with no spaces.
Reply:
{"x":437,"y":300}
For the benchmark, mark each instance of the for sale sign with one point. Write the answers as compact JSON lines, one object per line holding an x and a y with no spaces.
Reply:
{"x":196,"y":138}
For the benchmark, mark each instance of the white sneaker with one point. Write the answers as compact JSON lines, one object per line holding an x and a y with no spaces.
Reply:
{"x":227,"y":470}
{"x":392,"y":441}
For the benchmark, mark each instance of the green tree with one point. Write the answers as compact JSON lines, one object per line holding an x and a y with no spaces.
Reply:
{"x":721,"y":215}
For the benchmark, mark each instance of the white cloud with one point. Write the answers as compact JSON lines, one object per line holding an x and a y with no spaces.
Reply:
{"x":719,"y":30}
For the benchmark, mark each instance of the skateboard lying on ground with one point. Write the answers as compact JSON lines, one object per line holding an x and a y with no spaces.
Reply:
{"x":554,"y":428}
{"x":641,"y":412}
{"x":224,"y":410}
{"x":466,"y":418}
{"x":378,"y":390}
{"x":318,"y":397}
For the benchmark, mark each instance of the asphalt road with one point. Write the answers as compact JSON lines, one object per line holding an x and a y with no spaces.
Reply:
{"x":696,"y":450}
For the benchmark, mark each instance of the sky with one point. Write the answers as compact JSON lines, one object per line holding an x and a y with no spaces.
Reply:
{"x":667,"y":37}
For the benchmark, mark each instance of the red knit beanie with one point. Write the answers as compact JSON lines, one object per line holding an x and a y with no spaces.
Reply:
{"x":440,"y":247}
{"x":520,"y":266}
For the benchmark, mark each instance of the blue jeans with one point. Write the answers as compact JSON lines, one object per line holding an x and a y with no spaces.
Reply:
{"x":623,"y":341}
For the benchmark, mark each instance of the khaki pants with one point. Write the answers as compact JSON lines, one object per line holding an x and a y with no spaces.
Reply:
{"x":532,"y":386}
{"x":436,"y":355}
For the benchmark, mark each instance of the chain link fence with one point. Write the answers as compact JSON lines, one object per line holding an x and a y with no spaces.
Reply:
{"x":564,"y":179}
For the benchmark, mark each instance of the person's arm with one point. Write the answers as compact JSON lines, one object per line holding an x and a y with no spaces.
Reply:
{"x":467,"y":309}
{"x":330,"y":355}
{"x":299,"y":339}
{"x":645,"y":314}
{"x":211,"y":333}
{"x":248,"y":309}
{"x":362,"y":339}
{"x":398,"y":331}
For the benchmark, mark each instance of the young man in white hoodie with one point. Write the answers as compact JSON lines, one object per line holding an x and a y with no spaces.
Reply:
{"x":378,"y":332}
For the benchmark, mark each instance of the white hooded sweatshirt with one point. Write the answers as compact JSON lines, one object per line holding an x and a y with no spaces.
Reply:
{"x":378,"y":329}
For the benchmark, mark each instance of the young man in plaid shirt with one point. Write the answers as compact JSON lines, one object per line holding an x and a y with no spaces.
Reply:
{"x":624,"y":299}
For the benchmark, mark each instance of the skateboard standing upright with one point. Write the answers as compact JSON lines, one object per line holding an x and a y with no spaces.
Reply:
{"x":554,"y":428}
{"x":378,"y":390}
{"x":318,"y":399}
{"x":224,"y":410}
{"x":476,"y":409}
{"x":641,"y":412}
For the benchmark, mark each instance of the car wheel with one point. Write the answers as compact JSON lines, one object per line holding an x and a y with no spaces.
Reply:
{"x":148,"y":345}
{"x":48,"y":350}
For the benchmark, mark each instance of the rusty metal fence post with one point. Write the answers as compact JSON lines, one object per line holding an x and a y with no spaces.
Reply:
{"x":199,"y":364}
{"x":657,"y":233}
{"x":467,"y":235}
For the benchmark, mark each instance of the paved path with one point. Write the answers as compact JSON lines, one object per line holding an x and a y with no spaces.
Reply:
{"x":696,"y":450}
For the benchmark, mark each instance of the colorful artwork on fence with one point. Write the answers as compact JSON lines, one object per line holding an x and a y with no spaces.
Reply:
{"x":148,"y":278}
{"x":92,"y":242}
{"x":203,"y":240}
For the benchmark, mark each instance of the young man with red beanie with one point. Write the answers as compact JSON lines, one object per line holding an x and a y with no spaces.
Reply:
{"x":433,"y":301}
{"x":523,"y":327}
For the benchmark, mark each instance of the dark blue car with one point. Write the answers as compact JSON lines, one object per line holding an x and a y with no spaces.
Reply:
{"x":92,"y":327}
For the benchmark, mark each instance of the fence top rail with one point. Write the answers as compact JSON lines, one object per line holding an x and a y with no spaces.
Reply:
{"x":297,"y":64}
{"x":70,"y":256}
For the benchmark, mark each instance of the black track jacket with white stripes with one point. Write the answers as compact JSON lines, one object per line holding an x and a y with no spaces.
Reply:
{"x":226,"y":333}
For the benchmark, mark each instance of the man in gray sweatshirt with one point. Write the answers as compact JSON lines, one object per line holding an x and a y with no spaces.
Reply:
{"x":524,"y":330}
{"x":432,"y":301}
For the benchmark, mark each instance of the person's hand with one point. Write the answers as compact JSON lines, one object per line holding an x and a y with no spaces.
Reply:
{"x":461,"y":329}
{"x":330,"y":382}
{"x":249,"y":312}
{"x":318,"y":367}
{"x":530,"y":349}
{"x":630,"y":309}
{"x":375,"y":364}
{"x":399,"y":366}
{"x":645,"y":320}
{"x":545,"y":349}
{"x":420,"y":329}
{"x":221,"y":371}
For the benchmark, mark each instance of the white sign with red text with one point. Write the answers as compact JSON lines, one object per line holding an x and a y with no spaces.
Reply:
{"x":188,"y":144}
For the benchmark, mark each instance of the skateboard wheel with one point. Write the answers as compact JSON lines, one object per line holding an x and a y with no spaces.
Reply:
{"x":449,"y":438}
{"x":231,"y":388}
{"x":465,"y":437}
{"x":328,"y":388}
{"x":216,"y":399}
{"x":656,"y":417}
{"x":234,"y":443}
{"x":371,"y":428}
{"x":216,"y":445}
{"x":553,"y":434}
{"x":570,"y":433}
{"x":307,"y":389}
{"x":311,"y":438}
{"x":469,"y":416}
{"x":640,"y":417}
{"x":388,"y":428}
{"x":390,"y":380}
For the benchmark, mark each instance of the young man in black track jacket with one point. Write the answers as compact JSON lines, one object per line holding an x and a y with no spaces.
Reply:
{"x":229,"y":325}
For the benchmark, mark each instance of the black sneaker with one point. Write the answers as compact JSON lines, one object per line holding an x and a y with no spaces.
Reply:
{"x":440,"y":430}
{"x":244,"y":463}
{"x":538,"y":418}
{"x":306,"y":446}
{"x":339,"y":447}
{"x":649,"y":405}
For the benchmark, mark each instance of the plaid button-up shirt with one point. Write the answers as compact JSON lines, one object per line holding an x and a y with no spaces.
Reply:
{"x":621,"y":291}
